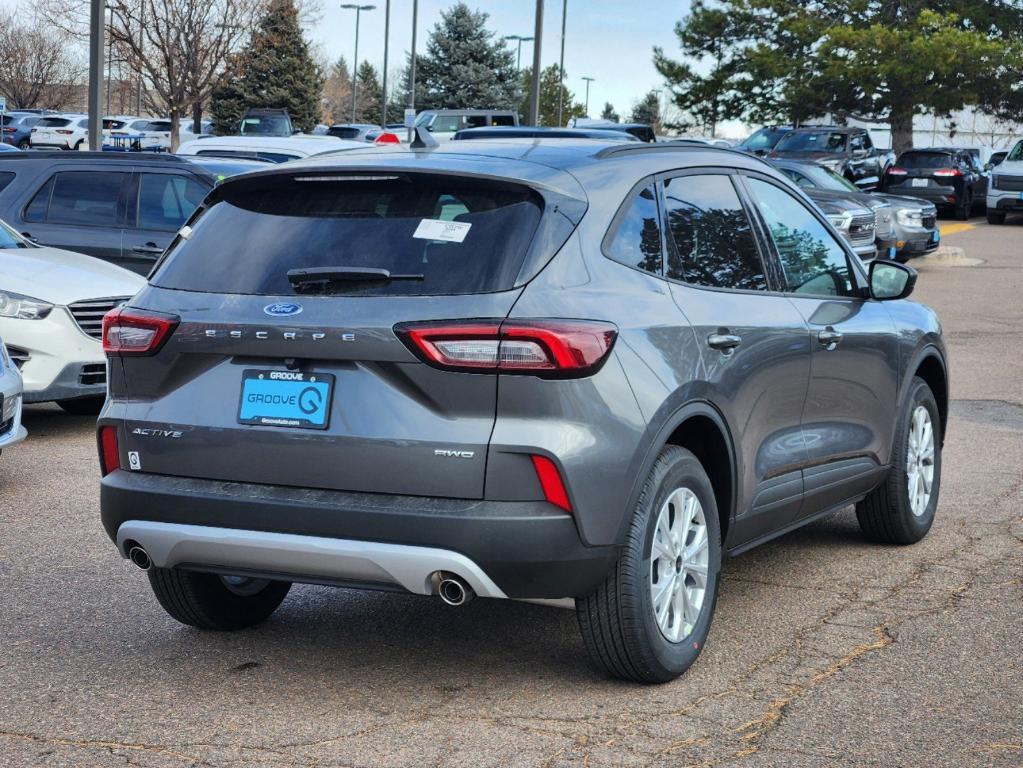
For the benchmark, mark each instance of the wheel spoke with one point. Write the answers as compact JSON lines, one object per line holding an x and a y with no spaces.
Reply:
{"x":663,"y":551}
{"x":698,"y":545}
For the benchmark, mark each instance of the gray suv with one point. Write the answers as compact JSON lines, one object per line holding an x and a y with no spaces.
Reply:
{"x":572,"y":372}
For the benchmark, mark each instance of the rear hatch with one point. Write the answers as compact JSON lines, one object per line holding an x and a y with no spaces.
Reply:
{"x":301,"y":379}
{"x":922,"y":171}
{"x":52,"y":130}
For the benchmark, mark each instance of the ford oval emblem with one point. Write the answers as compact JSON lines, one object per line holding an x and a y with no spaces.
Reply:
{"x":282,"y":309}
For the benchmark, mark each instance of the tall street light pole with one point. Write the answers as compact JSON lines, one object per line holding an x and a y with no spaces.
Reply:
{"x":412,"y":66}
{"x":355,"y":63}
{"x":96,"y":23}
{"x":518,"y":55}
{"x":534,"y":92}
{"x":387,"y":35}
{"x":561,"y":63}
{"x":588,"y":81}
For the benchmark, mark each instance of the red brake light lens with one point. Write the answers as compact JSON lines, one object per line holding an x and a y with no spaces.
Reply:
{"x":129,"y":331}
{"x":387,"y":138}
{"x":944,"y":172}
{"x":551,"y":348}
{"x":896,"y":171}
{"x":109,"y":456}
{"x":550,"y":480}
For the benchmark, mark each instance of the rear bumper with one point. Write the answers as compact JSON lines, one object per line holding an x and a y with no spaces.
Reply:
{"x":527,"y":550}
{"x":936,"y":195}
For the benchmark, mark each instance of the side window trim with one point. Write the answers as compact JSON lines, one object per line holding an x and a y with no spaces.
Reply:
{"x":855,"y":265}
{"x":764,"y":253}
{"x":620,"y":214}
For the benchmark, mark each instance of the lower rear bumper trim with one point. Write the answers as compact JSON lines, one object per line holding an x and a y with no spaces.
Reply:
{"x":174,"y":545}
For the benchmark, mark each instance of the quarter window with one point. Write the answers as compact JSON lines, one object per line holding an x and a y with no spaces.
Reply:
{"x":812,"y":261}
{"x":637,"y":242}
{"x":712,"y":242}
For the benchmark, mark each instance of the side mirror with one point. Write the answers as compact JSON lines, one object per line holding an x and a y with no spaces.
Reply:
{"x":890,"y":280}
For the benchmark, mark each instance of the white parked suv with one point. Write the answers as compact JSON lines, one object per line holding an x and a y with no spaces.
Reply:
{"x":11,"y":431}
{"x":1005,"y":189}
{"x":60,"y":132}
{"x":52,"y":304}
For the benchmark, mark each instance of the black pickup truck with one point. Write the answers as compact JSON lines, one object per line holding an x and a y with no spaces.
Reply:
{"x":848,"y":152}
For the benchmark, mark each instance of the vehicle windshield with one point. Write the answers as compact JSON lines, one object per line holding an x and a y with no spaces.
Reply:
{"x":765,"y":138}
{"x":1017,"y":152}
{"x":10,"y":239}
{"x":824,"y":178}
{"x":265,"y":125}
{"x":813,"y":141}
{"x":454,"y":235}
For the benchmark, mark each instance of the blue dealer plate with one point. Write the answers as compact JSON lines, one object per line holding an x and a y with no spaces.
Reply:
{"x":285,"y":399}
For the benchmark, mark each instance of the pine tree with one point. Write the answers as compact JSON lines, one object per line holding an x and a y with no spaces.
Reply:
{"x":368,"y":93}
{"x":464,"y":66}
{"x":275,"y":70}
{"x":550,"y":80}
{"x":647,"y":111}
{"x":609,"y":113}
{"x":337,"y":92}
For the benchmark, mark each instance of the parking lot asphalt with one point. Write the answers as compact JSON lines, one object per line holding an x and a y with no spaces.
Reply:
{"x":825,"y":650}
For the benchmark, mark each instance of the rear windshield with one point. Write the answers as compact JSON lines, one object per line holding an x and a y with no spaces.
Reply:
{"x":925,"y":160}
{"x":341,"y":132}
{"x":53,"y":122}
{"x":765,"y":138}
{"x":445,"y":234}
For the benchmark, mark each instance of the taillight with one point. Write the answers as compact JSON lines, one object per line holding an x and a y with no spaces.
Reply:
{"x":896,"y":171}
{"x":9,"y":129}
{"x":551,"y":483}
{"x":946,"y":172}
{"x":128,"y":331}
{"x":64,"y":131}
{"x":387,"y":138}
{"x":550,"y":348}
{"x":109,"y":456}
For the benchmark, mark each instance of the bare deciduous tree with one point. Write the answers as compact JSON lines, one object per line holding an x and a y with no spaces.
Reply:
{"x":38,"y":68}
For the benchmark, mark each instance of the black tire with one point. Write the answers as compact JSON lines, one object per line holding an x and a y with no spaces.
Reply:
{"x":886,"y":515}
{"x":995,"y":217}
{"x":962,"y":211}
{"x":78,"y":145}
{"x":205,"y":601}
{"x":617,"y":621}
{"x":83,"y":406}
{"x":24,"y":144}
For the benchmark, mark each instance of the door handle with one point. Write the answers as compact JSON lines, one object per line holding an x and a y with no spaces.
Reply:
{"x":148,"y":248}
{"x":724,"y":341}
{"x":829,"y":338}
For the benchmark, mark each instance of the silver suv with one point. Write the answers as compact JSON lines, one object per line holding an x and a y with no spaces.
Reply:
{"x":570,"y":371}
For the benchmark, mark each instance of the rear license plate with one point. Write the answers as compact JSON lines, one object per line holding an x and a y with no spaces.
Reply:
{"x":919,"y":182}
{"x":286,"y":399}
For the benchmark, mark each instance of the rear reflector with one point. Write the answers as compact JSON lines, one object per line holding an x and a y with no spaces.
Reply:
{"x":551,"y":348}
{"x":129,"y":331}
{"x":109,"y":457}
{"x":551,"y":482}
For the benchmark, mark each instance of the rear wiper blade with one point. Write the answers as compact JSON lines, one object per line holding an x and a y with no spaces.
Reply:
{"x":312,"y":276}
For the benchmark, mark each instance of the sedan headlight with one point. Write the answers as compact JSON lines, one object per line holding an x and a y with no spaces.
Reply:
{"x":910,"y":217}
{"x":23,"y":307}
{"x":840,"y":220}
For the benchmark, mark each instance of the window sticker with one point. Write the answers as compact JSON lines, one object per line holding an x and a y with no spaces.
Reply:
{"x":446,"y":231}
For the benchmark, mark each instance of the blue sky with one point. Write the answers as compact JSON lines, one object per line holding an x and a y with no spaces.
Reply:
{"x":610,"y":40}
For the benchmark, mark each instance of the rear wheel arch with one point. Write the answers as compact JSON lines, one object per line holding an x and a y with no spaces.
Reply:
{"x":700,"y":428}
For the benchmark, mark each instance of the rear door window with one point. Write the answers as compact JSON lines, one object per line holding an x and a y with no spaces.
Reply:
{"x":812,"y":261}
{"x":711,"y":241}
{"x":637,"y":238}
{"x":166,"y":201}
{"x":443,"y":234}
{"x":93,"y":198}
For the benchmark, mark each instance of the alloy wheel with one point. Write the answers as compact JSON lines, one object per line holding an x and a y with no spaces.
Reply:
{"x":678,"y":565}
{"x":920,"y":460}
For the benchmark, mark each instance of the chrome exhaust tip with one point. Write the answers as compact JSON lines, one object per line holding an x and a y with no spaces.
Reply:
{"x":453,"y":589}
{"x":139,"y":557}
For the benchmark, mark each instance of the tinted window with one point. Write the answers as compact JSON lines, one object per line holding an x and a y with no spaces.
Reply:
{"x":813,"y":141}
{"x":460,"y":235}
{"x":86,"y":197}
{"x":711,"y":237}
{"x":52,"y":122}
{"x":166,"y":201}
{"x":5,"y":179}
{"x":502,"y":120}
{"x":765,"y":138}
{"x":342,"y":132}
{"x":925,"y":160}
{"x":637,"y":241}
{"x":36,"y":209}
{"x":812,"y":261}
